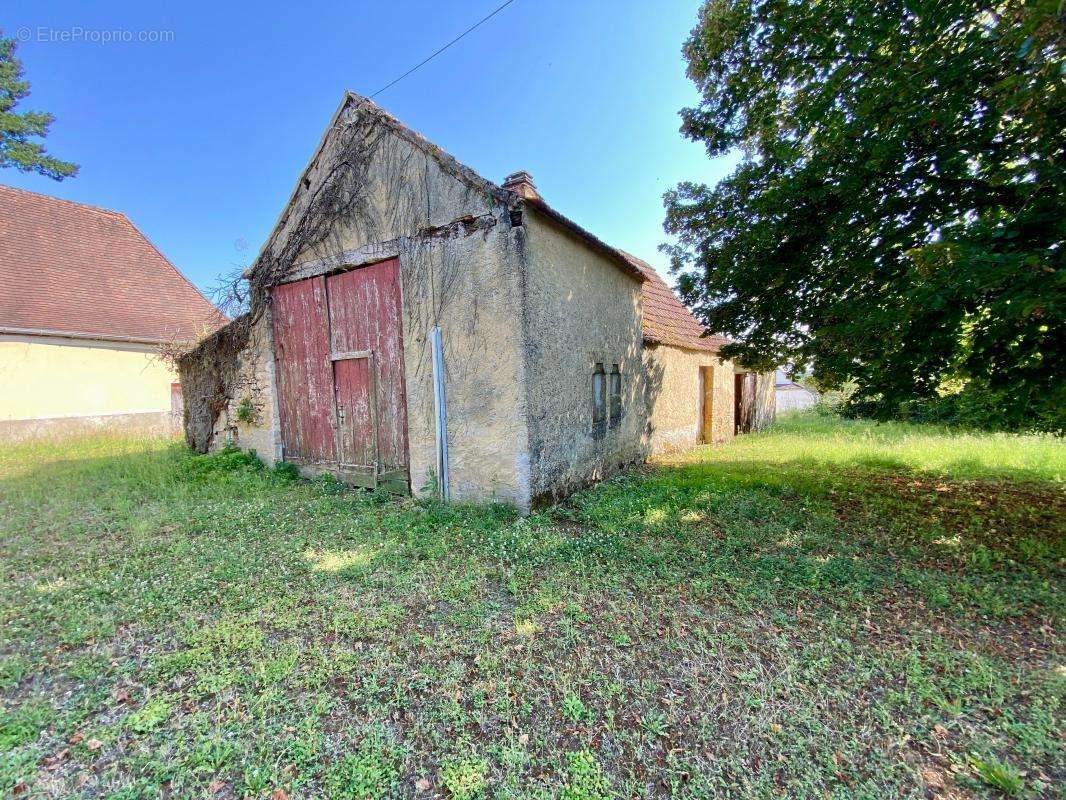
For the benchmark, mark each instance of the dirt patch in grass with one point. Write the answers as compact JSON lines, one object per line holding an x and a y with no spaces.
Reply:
{"x":1024,"y":521}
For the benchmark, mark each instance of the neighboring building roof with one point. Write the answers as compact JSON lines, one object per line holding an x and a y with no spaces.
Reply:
{"x":666,"y":319}
{"x":69,"y":268}
{"x":782,"y":381}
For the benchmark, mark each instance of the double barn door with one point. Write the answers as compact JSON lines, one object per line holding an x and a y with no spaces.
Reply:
{"x":338,"y":342}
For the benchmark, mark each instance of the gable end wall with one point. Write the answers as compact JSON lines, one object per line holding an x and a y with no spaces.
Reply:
{"x":458,"y":272}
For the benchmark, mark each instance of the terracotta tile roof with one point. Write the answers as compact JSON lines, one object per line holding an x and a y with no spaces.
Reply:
{"x":666,"y":319}
{"x":80,"y":269}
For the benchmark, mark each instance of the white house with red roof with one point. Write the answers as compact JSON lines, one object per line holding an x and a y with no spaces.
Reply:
{"x":85,"y":304}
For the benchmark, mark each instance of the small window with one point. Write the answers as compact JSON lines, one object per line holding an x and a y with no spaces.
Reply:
{"x":615,"y":388}
{"x":599,"y":396}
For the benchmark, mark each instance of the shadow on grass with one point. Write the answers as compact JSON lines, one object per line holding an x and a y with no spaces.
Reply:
{"x":847,"y":531}
{"x":880,"y":463}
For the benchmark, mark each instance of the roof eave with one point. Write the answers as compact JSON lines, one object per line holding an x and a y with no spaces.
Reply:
{"x":57,"y":333}
{"x":695,"y":348}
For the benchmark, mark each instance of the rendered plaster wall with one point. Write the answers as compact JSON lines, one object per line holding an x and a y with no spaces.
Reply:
{"x":675,"y":397}
{"x":581,"y":309}
{"x":462,"y":284}
{"x":108,"y":385}
{"x":456,"y":272}
{"x":398,"y":185}
{"x":792,"y":399}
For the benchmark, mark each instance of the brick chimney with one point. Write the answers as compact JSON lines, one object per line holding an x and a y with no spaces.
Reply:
{"x":521,"y":183}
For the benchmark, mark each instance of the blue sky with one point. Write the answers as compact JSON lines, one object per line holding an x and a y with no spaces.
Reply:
{"x":200,"y":139}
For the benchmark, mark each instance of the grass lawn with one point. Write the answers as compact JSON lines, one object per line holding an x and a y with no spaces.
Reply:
{"x":830,"y":609}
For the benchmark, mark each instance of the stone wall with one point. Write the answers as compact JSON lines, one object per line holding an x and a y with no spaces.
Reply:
{"x":675,"y":397}
{"x":228,"y":386}
{"x":458,"y":271}
{"x":248,"y":419}
{"x":581,"y":310}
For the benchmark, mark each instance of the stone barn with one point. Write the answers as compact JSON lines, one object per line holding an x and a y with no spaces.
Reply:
{"x":418,"y":327}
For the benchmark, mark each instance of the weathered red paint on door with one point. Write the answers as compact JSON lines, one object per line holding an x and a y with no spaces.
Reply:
{"x":366,"y":326}
{"x":304,"y":370}
{"x":339,"y":350}
{"x":356,"y":423}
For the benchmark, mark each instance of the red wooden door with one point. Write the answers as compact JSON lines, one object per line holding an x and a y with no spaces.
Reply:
{"x":356,"y":415}
{"x":366,"y":340}
{"x":304,"y":371}
{"x":338,"y":345}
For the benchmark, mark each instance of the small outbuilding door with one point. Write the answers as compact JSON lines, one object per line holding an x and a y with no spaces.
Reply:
{"x":707,"y":404}
{"x":744,"y":402}
{"x":338,"y":344}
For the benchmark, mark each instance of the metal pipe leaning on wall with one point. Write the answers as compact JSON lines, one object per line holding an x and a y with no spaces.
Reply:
{"x":440,"y":407}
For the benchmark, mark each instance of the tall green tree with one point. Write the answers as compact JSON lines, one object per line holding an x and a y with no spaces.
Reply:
{"x":18,"y":130}
{"x":898,"y":216}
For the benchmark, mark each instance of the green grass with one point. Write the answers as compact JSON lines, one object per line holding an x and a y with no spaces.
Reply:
{"x":830,"y":609}
{"x":825,"y":439}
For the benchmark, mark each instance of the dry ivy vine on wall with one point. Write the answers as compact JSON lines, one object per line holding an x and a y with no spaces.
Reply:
{"x":214,"y":373}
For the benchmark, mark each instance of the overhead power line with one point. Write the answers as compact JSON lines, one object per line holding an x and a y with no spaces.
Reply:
{"x":432,"y":56}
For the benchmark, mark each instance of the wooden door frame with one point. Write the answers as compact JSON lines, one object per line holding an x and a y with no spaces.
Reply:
{"x":744,"y":395}
{"x":738,"y":401}
{"x":706,"y":404}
